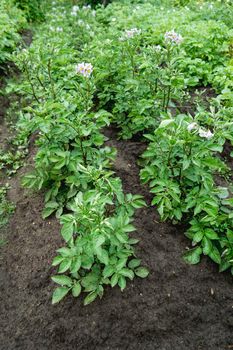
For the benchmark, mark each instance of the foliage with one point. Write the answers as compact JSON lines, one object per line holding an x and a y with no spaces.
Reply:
{"x":11,"y":22}
{"x":74,"y":166}
{"x":31,"y":8}
{"x":6,"y":207}
{"x":132,"y":64}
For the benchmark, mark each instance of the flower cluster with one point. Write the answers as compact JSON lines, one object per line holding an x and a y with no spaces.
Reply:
{"x":192,"y":126}
{"x":130,"y":33}
{"x":58,"y":29}
{"x":74,"y":11}
{"x":84,"y":69}
{"x":173,"y":37}
{"x":207,"y":134}
{"x":87,"y":7}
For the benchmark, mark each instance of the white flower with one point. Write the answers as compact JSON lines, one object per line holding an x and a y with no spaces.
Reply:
{"x":192,"y":126}
{"x":130,"y":33}
{"x":74,"y":11}
{"x":206,"y":134}
{"x":84,"y":69}
{"x":75,"y":8}
{"x":59,"y":29}
{"x":173,"y":37}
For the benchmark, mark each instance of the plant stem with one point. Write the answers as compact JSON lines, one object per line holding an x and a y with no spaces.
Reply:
{"x":50,"y":79}
{"x":168,"y":98}
{"x":31,"y":84}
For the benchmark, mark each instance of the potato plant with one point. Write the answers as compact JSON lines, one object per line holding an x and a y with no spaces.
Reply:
{"x":12,"y":21}
{"x":125,"y":65}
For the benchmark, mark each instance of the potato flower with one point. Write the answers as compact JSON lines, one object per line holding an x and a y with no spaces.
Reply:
{"x":173,"y":37}
{"x":206,"y":134}
{"x":85,"y":69}
{"x":192,"y":126}
{"x":130,"y":33}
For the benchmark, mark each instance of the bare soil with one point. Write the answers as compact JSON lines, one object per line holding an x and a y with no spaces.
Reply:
{"x":178,"y":307}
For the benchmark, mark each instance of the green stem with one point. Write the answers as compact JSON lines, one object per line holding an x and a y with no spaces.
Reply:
{"x":84,"y":156}
{"x":168,"y":98}
{"x":30,"y":82}
{"x":50,"y":79}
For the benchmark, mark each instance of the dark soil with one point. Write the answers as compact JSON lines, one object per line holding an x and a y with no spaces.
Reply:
{"x":178,"y":307}
{"x":197,"y":96}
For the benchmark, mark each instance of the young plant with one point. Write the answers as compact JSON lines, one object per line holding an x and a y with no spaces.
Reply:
{"x":98,"y":249}
{"x":180,"y":164}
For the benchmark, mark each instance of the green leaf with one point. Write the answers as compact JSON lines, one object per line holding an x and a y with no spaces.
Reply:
{"x":142,"y":272}
{"x":91,"y":281}
{"x":65,"y":265}
{"x":114,"y":280}
{"x":165,"y":123}
{"x":103,"y":256}
{"x":99,"y":241}
{"x":87,"y":261}
{"x":64,"y":251}
{"x":62,"y":280}
{"x":59,"y":294}
{"x":206,"y":245}
{"x":139,"y":203}
{"x":198,"y":236}
{"x":215,"y":255}
{"x":57,"y":260}
{"x":224,"y":265}
{"x":76,"y":290}
{"x":211,"y":234}
{"x":108,"y":271}
{"x":121,"y":263}
{"x":216,"y":148}
{"x":47,"y":212}
{"x":133,"y":241}
{"x":193,"y":256}
{"x":76,"y":264}
{"x":122,"y":283}
{"x":67,"y":231}
{"x":129,"y":228}
{"x":127,"y":273}
{"x":134,"y":263}
{"x":90,"y":298}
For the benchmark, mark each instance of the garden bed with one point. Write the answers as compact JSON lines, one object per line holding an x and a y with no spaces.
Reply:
{"x":177,"y":307}
{"x":118,"y":123}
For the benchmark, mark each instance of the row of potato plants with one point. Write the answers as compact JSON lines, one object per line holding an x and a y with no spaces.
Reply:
{"x":140,"y":75}
{"x":181,"y":162}
{"x":74,"y":167}
{"x":148,"y":80}
{"x":12,"y":22}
